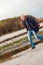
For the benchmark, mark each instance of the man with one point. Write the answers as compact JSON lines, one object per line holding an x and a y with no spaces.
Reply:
{"x":32,"y":28}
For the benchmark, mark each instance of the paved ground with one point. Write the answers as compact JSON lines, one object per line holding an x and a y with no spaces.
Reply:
{"x":27,"y":57}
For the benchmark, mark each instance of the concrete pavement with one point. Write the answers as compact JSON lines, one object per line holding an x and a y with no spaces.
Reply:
{"x":27,"y":57}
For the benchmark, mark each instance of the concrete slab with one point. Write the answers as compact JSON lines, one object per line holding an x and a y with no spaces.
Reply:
{"x":27,"y":57}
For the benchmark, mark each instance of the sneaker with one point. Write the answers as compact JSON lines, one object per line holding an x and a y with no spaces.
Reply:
{"x":33,"y":47}
{"x":35,"y":43}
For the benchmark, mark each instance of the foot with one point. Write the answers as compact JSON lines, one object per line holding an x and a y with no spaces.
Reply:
{"x":33,"y":47}
{"x":35,"y":43}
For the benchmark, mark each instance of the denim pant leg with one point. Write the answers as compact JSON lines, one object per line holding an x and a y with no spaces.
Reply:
{"x":37,"y":36}
{"x":40,"y":37}
{"x":30,"y":39}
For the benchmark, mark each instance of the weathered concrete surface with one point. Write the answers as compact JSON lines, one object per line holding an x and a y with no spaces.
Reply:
{"x":27,"y":57}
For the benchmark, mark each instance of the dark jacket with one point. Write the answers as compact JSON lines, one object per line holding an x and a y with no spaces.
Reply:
{"x":31,"y":24}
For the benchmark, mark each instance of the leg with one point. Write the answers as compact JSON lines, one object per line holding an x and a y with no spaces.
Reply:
{"x":36,"y":36}
{"x":30,"y":39}
{"x":40,"y":37}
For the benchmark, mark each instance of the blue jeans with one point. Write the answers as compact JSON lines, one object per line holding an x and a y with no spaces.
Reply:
{"x":35,"y":35}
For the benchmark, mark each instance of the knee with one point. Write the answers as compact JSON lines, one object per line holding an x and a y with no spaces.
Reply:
{"x":36,"y":37}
